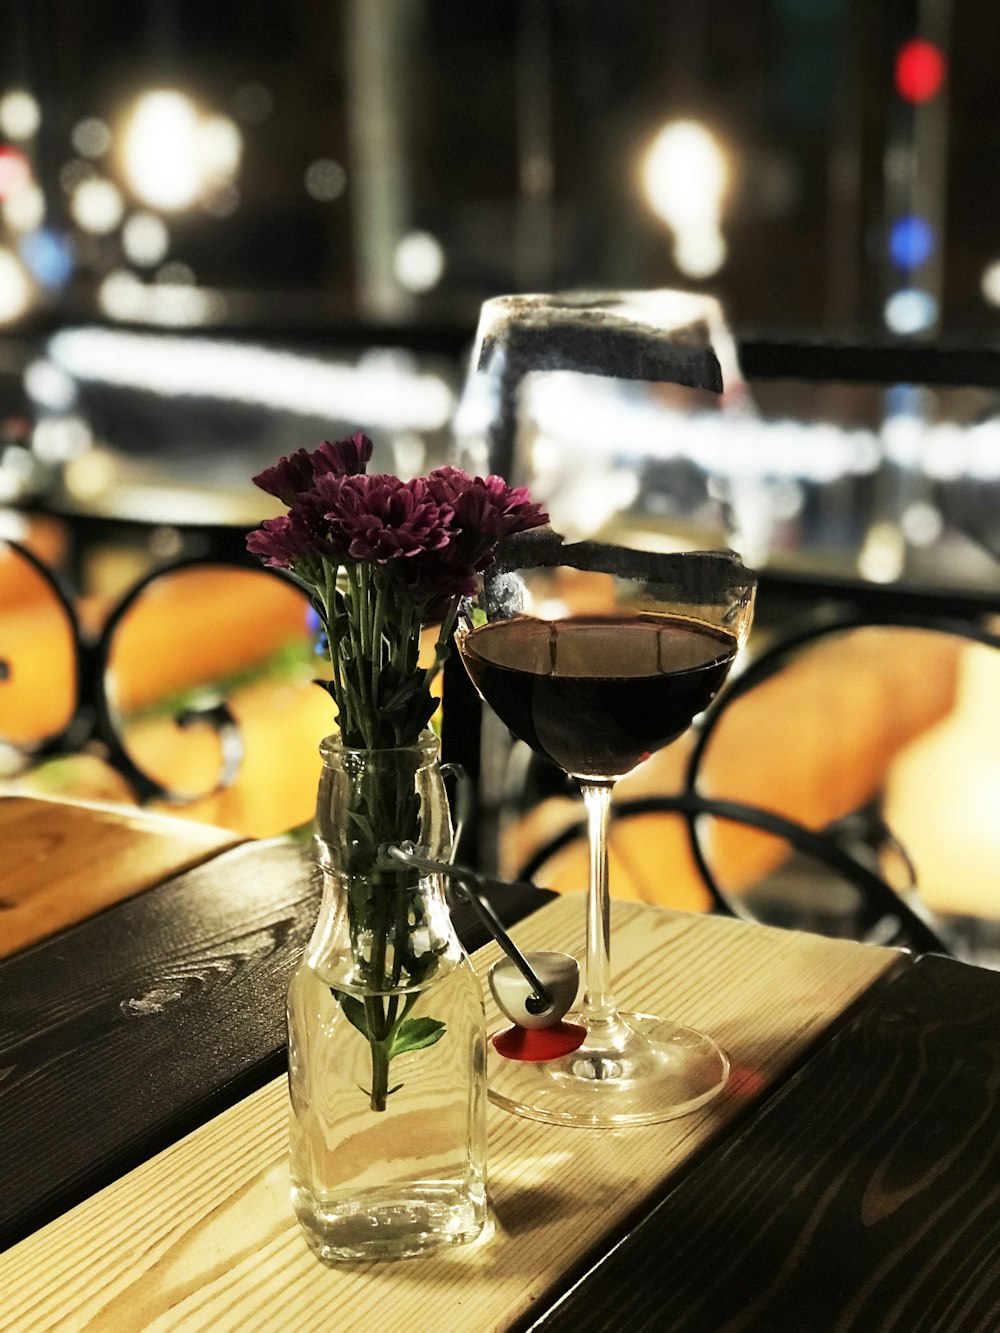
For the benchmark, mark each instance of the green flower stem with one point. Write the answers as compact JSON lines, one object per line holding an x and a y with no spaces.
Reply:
{"x":442,"y":646}
{"x":328,"y":597}
{"x":374,"y":633}
{"x":380,"y":1052}
{"x":378,"y":627}
{"x":361,"y":716}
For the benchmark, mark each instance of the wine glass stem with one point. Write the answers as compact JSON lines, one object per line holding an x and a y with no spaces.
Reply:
{"x":598,"y":1002}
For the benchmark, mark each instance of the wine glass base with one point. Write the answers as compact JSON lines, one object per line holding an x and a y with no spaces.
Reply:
{"x":633,"y":1069}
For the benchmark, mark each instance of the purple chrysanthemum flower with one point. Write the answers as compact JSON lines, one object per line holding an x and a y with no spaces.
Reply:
{"x":302,"y":534}
{"x":446,"y":484}
{"x":486,"y":505}
{"x":342,"y":458}
{"x":486,"y":509}
{"x":381,"y":518}
{"x":297,"y":472}
{"x":280,"y":542}
{"x":289,"y":477}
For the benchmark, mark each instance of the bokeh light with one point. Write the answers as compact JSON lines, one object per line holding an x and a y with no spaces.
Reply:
{"x":49,"y":387}
{"x":922,"y":523}
{"x":911,"y":241}
{"x":91,"y":137}
{"x":160,"y":150}
{"x":145,"y":239}
{"x":25,"y":209}
{"x":121,"y":295}
{"x":20,"y":115}
{"x":172,"y":155}
{"x":49,"y":256}
{"x":176,"y":272}
{"x":74,"y":172}
{"x":700,"y":253}
{"x":97,"y":206}
{"x":989,"y":283}
{"x":325,"y":179}
{"x":685,"y":176}
{"x":172,"y":300}
{"x":15,"y":171}
{"x":911,"y":310}
{"x":57,"y":439}
{"x":419,"y":261}
{"x":220,"y":147}
{"x":920,"y":70}
{"x":15,"y":286}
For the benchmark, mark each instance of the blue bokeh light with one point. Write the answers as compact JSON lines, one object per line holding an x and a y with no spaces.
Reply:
{"x":911,"y":241}
{"x":48,"y":255}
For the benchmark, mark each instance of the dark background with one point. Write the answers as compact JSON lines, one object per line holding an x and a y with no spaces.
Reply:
{"x":518,"y":131}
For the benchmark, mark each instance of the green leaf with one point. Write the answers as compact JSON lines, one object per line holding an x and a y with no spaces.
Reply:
{"x":354,"y":1010}
{"x":414,"y":1035}
{"x":404,"y":693}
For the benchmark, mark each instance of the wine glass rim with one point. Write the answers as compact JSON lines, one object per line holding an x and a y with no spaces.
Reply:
{"x":541,"y":549}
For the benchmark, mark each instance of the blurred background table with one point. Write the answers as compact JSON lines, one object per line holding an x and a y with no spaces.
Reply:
{"x":65,"y":862}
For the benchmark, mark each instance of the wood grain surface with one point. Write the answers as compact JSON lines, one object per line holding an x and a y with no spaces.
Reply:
{"x":126,"y":1032}
{"x":62,"y":862}
{"x":865,"y":1196}
{"x":202,"y":1236}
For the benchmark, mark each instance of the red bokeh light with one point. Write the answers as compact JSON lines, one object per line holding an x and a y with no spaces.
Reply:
{"x":15,"y":171}
{"x":920,"y":70}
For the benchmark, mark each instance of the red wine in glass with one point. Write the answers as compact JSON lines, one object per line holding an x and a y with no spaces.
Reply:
{"x":597,"y":695}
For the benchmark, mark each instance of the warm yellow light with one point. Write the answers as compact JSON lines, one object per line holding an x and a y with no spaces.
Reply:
{"x":160,"y":150}
{"x":97,"y":206}
{"x":25,"y":209}
{"x":419,"y":261}
{"x":20,"y":115}
{"x":145,"y":239}
{"x":700,"y":251}
{"x":990,"y":283}
{"x":15,"y":287}
{"x":685,"y":175}
{"x":220,"y":147}
{"x":172,"y":155}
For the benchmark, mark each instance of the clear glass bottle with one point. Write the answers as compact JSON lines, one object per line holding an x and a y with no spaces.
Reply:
{"x":387,"y":1040}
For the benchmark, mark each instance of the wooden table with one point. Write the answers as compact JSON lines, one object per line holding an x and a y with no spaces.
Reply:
{"x":64,"y":861}
{"x":849,"y":1177}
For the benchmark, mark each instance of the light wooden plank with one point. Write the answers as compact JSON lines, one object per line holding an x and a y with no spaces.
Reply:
{"x":64,"y":861}
{"x":202,"y":1236}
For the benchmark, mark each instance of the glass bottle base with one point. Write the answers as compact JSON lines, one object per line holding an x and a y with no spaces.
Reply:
{"x":633,"y":1069}
{"x":387,"y":1223}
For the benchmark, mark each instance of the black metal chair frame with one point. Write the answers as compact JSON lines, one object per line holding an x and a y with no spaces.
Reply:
{"x":93,"y":718}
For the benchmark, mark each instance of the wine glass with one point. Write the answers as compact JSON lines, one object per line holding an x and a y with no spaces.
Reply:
{"x":596,"y":656}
